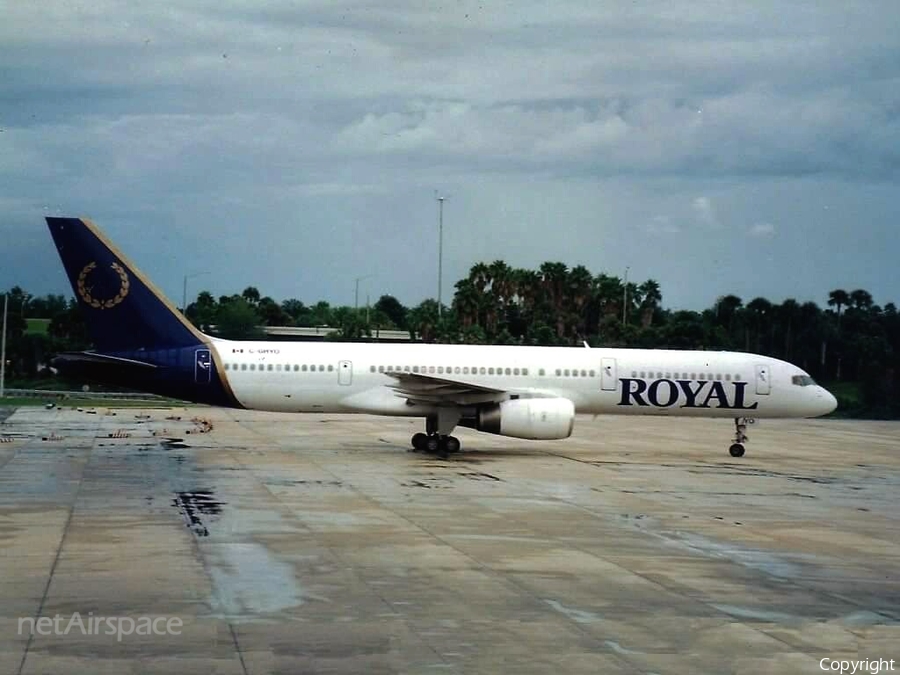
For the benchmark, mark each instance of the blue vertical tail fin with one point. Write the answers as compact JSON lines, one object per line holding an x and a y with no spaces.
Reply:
{"x":123,"y":310}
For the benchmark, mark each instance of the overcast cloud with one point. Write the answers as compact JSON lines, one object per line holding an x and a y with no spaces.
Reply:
{"x":737,"y":147}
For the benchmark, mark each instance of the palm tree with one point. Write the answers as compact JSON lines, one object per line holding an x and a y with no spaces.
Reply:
{"x":789,"y":312}
{"x":553,"y":282}
{"x":466,"y":302}
{"x":838,"y":299}
{"x":580,"y":284}
{"x":861,"y":299}
{"x":251,"y":295}
{"x":651,"y":297}
{"x":760,"y":309}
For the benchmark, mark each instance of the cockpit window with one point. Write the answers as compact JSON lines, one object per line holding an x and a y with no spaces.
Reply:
{"x":802,"y":380}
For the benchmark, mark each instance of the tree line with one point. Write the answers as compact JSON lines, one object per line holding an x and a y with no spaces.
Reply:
{"x":852,"y":344}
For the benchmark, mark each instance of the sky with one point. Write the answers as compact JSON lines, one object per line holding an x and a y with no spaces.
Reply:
{"x":718,"y":147}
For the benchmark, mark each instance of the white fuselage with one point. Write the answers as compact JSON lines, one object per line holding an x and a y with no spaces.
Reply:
{"x":353,"y":377}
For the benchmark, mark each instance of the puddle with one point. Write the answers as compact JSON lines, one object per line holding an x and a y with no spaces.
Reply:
{"x":248,"y":580}
{"x":577,"y":615}
{"x":756,"y":614}
{"x":762,"y":561}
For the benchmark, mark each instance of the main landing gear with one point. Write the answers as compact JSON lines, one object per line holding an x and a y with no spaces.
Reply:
{"x":433,"y":441}
{"x":740,"y":436}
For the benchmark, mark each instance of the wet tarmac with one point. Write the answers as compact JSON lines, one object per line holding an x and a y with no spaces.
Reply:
{"x":319,"y":544}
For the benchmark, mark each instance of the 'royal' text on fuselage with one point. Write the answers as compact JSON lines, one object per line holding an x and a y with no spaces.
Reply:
{"x":683,"y":393}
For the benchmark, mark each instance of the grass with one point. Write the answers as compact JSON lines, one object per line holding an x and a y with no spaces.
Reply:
{"x":37,"y":326}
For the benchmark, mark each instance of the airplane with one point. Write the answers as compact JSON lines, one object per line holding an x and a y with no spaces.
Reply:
{"x":142,"y":341}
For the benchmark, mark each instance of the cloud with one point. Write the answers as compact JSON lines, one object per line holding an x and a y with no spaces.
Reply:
{"x":317,"y":124}
{"x":762,"y":230}
{"x":705,"y":212}
{"x":662,"y":225}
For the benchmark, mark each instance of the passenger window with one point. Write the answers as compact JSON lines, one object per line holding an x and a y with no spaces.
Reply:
{"x":457,"y":370}
{"x":584,"y":373}
{"x":593,"y":374}
{"x":371,"y":369}
{"x":668,"y":376}
{"x":490,"y":371}
{"x":508,"y":371}
{"x":415,"y":369}
{"x":243,"y":366}
{"x":719,"y":376}
{"x":431,"y":369}
{"x":484,"y":370}
{"x":278,"y":367}
{"x":380,"y":369}
{"x":515,"y":371}
{"x":226,"y":366}
{"x":440,"y":370}
{"x":566,"y":372}
{"x":525,"y":371}
{"x":701,"y":377}
{"x":728,"y":377}
{"x":738,"y":378}
{"x":321,"y":368}
{"x":270,"y":367}
{"x":659,"y":376}
{"x":709,"y":376}
{"x":465,"y":370}
{"x":330,"y":367}
{"x":252,"y":366}
{"x":643,"y":375}
{"x":558,"y":372}
{"x":540,"y":372}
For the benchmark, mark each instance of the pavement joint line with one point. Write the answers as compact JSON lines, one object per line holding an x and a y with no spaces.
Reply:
{"x":62,"y":540}
{"x":201,"y":556}
{"x":486,"y":568}
{"x":782,"y":580}
{"x":337,"y":556}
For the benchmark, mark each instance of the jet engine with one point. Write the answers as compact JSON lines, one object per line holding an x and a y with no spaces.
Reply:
{"x":539,"y":419}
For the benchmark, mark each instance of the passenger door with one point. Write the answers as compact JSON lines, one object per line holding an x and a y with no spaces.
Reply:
{"x":763,"y":385}
{"x":202,"y":366}
{"x":345,"y":373}
{"x":608,"y":374}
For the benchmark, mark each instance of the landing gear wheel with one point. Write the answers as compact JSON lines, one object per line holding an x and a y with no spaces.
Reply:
{"x":452,"y":443}
{"x":740,"y":436}
{"x":432,"y":444}
{"x":442,"y":447}
{"x":419,"y":440}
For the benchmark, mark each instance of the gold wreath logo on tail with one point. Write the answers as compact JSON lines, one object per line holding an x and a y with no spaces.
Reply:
{"x":85,"y":293}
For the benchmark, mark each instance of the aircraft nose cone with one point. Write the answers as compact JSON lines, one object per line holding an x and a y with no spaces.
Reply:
{"x":826,"y":402}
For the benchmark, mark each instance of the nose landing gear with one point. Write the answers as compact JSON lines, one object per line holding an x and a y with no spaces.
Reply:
{"x":740,"y":436}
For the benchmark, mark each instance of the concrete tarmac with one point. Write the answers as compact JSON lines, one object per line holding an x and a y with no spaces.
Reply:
{"x":319,"y":544}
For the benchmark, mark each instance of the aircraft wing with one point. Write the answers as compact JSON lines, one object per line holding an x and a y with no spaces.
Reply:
{"x":431,"y":390}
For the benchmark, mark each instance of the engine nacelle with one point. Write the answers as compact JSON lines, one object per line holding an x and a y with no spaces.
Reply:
{"x":540,"y":419}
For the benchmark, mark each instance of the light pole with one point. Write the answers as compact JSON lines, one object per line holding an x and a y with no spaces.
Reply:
{"x":625,"y":298}
{"x":440,"y":249}
{"x":356,"y":292}
{"x":3,"y":347}
{"x":184,"y":289}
